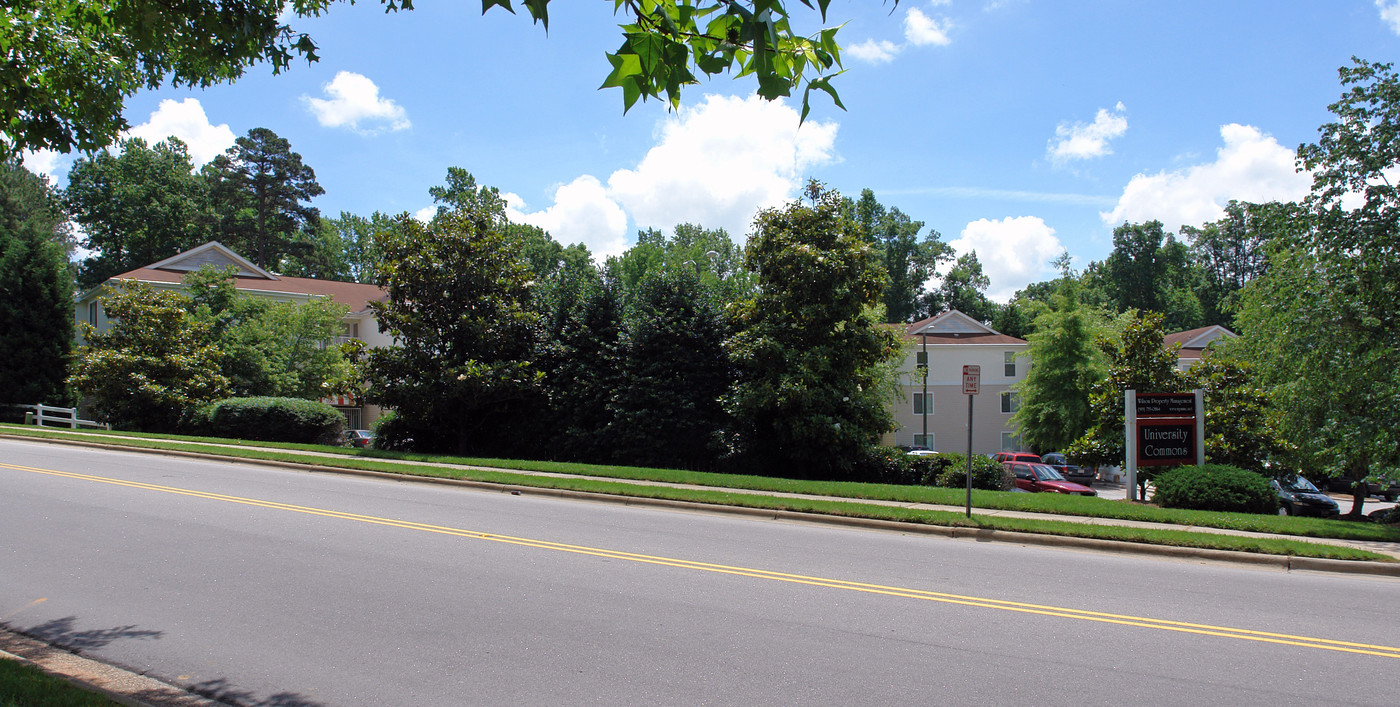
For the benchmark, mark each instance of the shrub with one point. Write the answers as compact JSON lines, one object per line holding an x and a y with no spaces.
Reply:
{"x":393,"y":432}
{"x":949,"y":470}
{"x":1215,"y":487}
{"x":277,"y":420}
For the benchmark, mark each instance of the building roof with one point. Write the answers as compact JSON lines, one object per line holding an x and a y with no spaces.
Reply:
{"x":955,"y":328}
{"x":1194,"y":341}
{"x":251,"y":278}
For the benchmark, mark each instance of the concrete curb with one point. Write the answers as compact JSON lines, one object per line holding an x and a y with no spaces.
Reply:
{"x":1282,"y":562}
{"x":121,"y":686}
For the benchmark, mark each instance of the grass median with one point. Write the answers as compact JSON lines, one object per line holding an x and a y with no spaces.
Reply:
{"x":569,"y":477}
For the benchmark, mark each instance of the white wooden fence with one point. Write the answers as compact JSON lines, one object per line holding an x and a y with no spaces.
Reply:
{"x":67,"y":416}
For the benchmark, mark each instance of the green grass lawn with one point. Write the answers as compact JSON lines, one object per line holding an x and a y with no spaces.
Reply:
{"x":499,"y":471}
{"x":24,"y":685}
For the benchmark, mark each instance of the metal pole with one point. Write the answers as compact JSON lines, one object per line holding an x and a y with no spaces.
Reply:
{"x":1130,"y":440}
{"x":925,"y":437}
{"x":969,"y":456}
{"x":1200,"y":426}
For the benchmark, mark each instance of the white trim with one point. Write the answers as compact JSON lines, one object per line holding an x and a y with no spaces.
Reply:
{"x":244,"y":264}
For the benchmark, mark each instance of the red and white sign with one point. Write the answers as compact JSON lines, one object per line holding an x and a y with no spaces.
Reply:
{"x":972,"y":380}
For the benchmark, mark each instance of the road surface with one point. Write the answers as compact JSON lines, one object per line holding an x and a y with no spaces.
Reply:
{"x":274,"y":587}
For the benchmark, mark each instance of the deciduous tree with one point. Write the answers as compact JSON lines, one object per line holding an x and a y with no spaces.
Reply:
{"x":138,"y":206}
{"x":153,"y":365}
{"x":1065,"y":364}
{"x":812,"y":354}
{"x":458,"y":309}
{"x":1321,"y":326}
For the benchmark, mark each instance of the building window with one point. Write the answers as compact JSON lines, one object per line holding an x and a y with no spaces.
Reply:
{"x":920,"y":400}
{"x":92,"y":313}
{"x":921,"y":359}
{"x":1010,"y":442}
{"x":1010,"y":364}
{"x":925,"y":441}
{"x":1010,"y":402}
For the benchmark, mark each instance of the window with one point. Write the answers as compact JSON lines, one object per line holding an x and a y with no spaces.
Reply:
{"x":92,"y":313}
{"x":921,"y":359}
{"x":1010,"y":402}
{"x":1010,"y":364}
{"x":1010,"y":442}
{"x":925,"y":441}
{"x":919,"y":404}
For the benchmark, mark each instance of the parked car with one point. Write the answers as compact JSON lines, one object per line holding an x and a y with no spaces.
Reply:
{"x":1301,"y":498}
{"x":1042,"y":478}
{"x":359,"y":438}
{"x":1004,"y":457}
{"x":1388,"y":489}
{"x":920,"y":452}
{"x":1070,"y":471}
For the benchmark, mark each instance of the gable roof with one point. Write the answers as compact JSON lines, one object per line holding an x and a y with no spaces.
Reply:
{"x":954,"y":327}
{"x":251,"y":278}
{"x":214,"y":254}
{"x":1194,"y":341}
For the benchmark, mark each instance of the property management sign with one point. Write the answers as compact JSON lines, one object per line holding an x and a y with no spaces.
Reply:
{"x":1166,"y":442}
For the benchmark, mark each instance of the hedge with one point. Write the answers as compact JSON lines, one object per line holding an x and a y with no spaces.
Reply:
{"x":1215,"y":487}
{"x":277,"y":420}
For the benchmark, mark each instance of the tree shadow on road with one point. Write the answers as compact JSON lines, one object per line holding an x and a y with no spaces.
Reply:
{"x":61,"y":632}
{"x":223,"y":691}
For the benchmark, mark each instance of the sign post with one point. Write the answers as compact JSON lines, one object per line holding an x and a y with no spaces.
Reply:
{"x":972,"y":385}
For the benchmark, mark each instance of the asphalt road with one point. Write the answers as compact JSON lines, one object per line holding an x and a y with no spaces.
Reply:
{"x":276,"y":587}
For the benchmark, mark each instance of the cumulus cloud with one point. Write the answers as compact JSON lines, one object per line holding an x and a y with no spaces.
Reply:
{"x":582,"y":212}
{"x":720,"y":162}
{"x":1390,"y":13}
{"x":353,"y":102}
{"x":871,"y":51}
{"x":1014,"y":252}
{"x":1250,"y":166}
{"x":715,"y":164}
{"x":920,"y":29}
{"x":47,"y":163}
{"x":1082,"y":141}
{"x":186,"y":120}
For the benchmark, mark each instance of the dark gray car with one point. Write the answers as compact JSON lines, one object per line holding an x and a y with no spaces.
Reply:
{"x":1069,"y":471}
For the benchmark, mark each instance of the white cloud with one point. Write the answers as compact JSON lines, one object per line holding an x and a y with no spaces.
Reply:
{"x":1251,"y":166}
{"x":1082,"y":141}
{"x":48,"y":163}
{"x":881,"y":52}
{"x":582,"y":213}
{"x":1014,"y":252}
{"x":718,"y":163}
{"x":185,"y":120}
{"x":1390,"y":13}
{"x":354,"y":100}
{"x":714,"y":164}
{"x":920,"y":29}
{"x":426,"y":213}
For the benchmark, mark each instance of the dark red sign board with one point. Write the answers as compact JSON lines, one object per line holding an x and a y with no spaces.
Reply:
{"x":1166,"y":442}
{"x":1166,"y":405}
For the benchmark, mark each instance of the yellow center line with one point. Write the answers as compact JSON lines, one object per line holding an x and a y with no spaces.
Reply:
{"x":903,"y":592}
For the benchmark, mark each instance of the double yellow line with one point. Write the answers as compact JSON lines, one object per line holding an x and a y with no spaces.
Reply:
{"x":980,"y":602}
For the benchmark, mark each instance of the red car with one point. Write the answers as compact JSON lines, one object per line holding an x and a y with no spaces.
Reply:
{"x":1043,"y":478}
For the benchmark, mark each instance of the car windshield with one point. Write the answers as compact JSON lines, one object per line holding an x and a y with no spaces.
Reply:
{"x":1045,"y":473}
{"x":1053,"y":459}
{"x":1302,"y":484}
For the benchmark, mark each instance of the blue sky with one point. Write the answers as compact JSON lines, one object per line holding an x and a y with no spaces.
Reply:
{"x":1016,"y":128}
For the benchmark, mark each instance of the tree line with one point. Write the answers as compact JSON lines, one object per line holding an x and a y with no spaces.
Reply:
{"x":688,"y":346}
